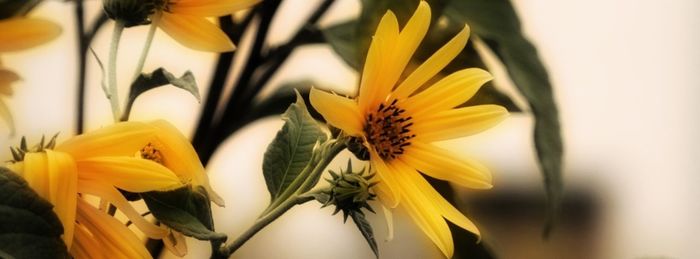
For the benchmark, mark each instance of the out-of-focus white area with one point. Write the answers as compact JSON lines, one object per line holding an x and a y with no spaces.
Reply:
{"x":625,"y":76}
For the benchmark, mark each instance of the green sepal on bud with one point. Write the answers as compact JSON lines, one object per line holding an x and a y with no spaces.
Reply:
{"x":132,"y":12}
{"x":18,"y":152}
{"x":349,"y":191}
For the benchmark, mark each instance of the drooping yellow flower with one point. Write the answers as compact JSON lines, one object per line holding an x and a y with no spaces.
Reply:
{"x":399,"y":124}
{"x":186,"y":21}
{"x":18,"y":34}
{"x":132,"y":156}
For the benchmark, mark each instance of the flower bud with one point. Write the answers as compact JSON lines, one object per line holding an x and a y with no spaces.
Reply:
{"x":132,"y":12}
{"x":349,"y":191}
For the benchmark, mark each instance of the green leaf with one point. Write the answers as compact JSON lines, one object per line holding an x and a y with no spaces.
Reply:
{"x":291,"y":150}
{"x":186,"y":210}
{"x":342,"y":38}
{"x":30,"y":228}
{"x":497,"y":23}
{"x":158,"y":78}
{"x":12,"y":8}
{"x":366,"y":230}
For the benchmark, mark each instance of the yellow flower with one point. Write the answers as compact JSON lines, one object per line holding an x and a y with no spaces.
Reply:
{"x":398,"y":124}
{"x":186,"y":21}
{"x":19,"y":34}
{"x":132,"y":156}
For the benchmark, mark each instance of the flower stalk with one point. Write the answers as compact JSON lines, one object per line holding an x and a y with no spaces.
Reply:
{"x":300,"y":193}
{"x":112,"y":91}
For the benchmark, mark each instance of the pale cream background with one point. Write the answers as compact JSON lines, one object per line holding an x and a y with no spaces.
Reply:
{"x":625,"y":73}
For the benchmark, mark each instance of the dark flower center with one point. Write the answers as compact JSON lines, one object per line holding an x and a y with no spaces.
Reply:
{"x":151,"y":153}
{"x":388,"y":130}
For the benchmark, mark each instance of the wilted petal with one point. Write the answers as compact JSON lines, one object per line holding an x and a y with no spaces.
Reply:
{"x":129,"y":173}
{"x":180,"y":157}
{"x":119,"y":139}
{"x":110,"y":194}
{"x":115,"y":238}
{"x":63,"y":190}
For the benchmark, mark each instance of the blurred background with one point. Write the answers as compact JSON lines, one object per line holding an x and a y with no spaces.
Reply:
{"x":625,"y":75}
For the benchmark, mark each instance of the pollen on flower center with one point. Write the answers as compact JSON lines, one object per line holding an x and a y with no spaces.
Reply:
{"x":151,"y":153}
{"x":388,"y":130}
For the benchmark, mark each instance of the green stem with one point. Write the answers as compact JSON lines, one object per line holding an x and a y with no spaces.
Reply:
{"x":112,"y":72}
{"x":147,"y":45}
{"x":261,"y":223}
{"x":139,"y":66}
{"x":298,"y":197}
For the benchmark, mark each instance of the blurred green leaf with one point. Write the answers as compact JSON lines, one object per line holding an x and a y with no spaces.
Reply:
{"x":185,"y":210}
{"x":291,"y":150}
{"x":30,"y":228}
{"x":12,"y":8}
{"x":497,"y":23}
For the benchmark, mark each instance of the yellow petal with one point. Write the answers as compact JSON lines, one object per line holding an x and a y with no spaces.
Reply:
{"x":85,"y":245}
{"x":36,"y":173}
{"x":63,"y":190}
{"x":432,"y":65}
{"x":440,"y":164}
{"x":387,"y":188}
{"x":7,"y":77}
{"x":129,"y":173}
{"x":338,"y":111}
{"x":110,"y":194}
{"x":449,"y":92}
{"x":424,"y":212}
{"x":210,"y":8}
{"x":180,"y":157}
{"x":195,"y":32}
{"x":373,"y":87}
{"x":120,"y":139}
{"x":460,"y":122}
{"x":408,"y":40}
{"x":23,"y":33}
{"x":446,"y":209}
{"x":113,"y":236}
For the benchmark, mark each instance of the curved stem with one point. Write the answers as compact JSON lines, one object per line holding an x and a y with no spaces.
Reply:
{"x":261,"y":223}
{"x":147,"y":45}
{"x":112,"y":70}
{"x":297,"y":197}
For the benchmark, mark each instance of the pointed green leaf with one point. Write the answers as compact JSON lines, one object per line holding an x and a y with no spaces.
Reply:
{"x":186,"y":210}
{"x":30,"y":228}
{"x":497,"y":23}
{"x":366,"y":230}
{"x":291,"y":150}
{"x":161,"y":77}
{"x":158,"y":78}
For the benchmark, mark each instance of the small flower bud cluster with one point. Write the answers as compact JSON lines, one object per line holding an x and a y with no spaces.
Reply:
{"x":349,"y":191}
